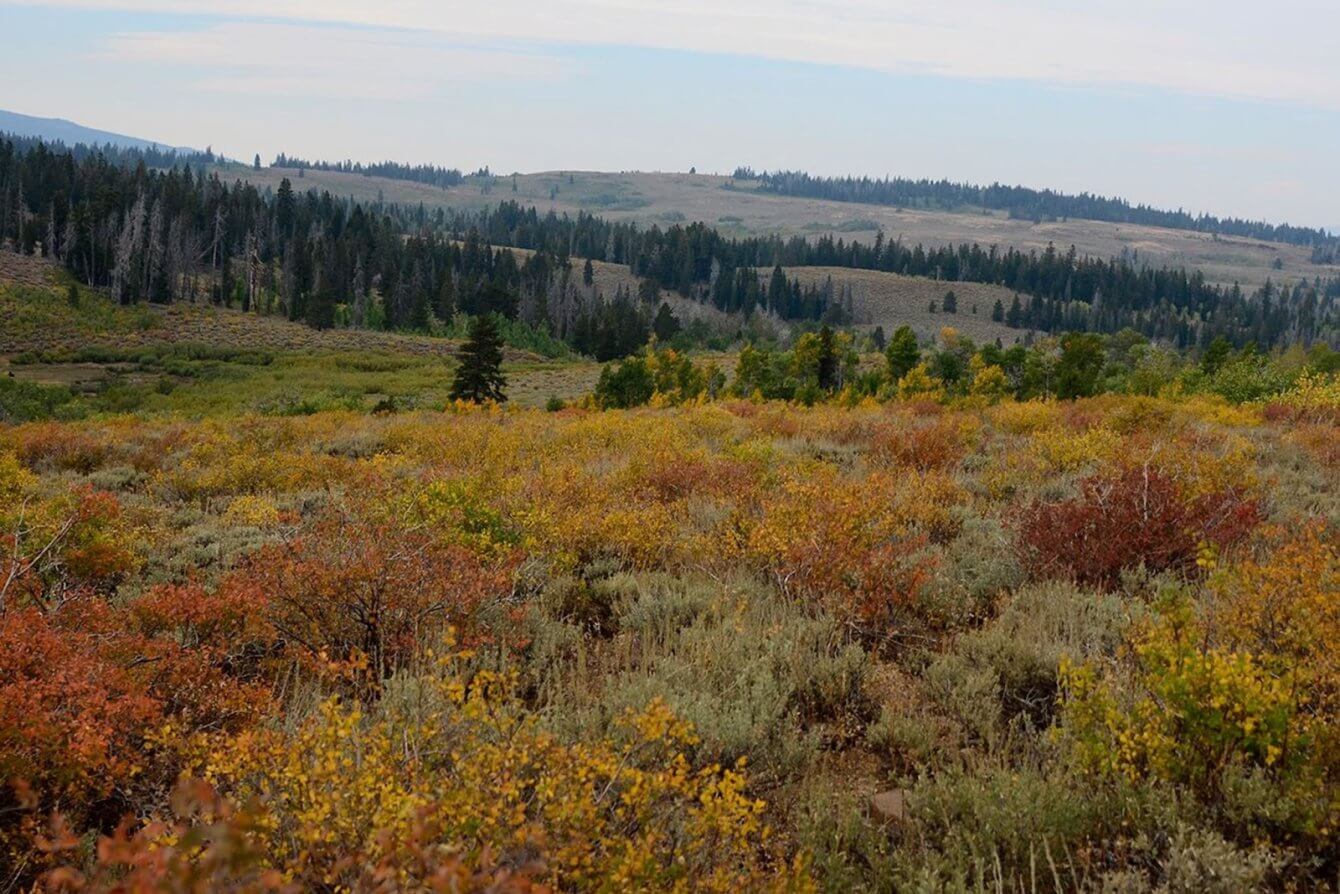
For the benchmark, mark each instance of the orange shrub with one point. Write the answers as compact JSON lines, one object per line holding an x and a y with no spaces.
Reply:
{"x":72,"y":718}
{"x":675,"y":477}
{"x":75,"y":542}
{"x":364,"y":597}
{"x":1283,"y":607}
{"x":936,"y":445}
{"x":50,"y":445}
{"x":844,"y":542}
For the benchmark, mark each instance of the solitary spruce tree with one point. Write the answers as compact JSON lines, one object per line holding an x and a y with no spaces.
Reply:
{"x":479,"y":377}
{"x":666,"y":325}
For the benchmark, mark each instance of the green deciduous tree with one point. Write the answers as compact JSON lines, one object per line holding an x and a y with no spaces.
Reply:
{"x":1080,"y":365}
{"x":903,"y":353}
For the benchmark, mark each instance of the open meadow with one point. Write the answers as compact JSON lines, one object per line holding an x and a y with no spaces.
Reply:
{"x":198,"y":358}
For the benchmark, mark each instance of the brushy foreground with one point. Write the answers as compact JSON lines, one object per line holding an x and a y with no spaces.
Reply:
{"x":1074,"y":646}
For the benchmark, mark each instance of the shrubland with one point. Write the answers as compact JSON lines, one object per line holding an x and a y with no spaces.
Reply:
{"x":1068,"y":611}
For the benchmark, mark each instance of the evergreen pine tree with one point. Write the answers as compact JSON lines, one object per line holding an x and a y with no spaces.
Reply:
{"x":950,"y":303}
{"x":588,"y":273}
{"x":479,"y":376}
{"x":778,"y":291}
{"x":666,"y":325}
{"x":998,"y":312}
{"x":285,"y":203}
{"x":1080,"y":365}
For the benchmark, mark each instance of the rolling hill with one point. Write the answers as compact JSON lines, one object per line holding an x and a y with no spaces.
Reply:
{"x":740,"y":209}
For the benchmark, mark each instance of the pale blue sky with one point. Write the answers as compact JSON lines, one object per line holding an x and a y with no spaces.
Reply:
{"x":1229,"y":107}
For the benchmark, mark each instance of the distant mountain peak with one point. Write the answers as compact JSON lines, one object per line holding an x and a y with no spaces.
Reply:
{"x":70,"y":133}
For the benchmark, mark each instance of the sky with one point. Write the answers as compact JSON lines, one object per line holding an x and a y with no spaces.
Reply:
{"x":1225,"y":106}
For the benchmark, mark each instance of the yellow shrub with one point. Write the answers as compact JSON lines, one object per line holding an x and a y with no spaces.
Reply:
{"x":345,"y":794}
{"x":1064,"y":450}
{"x":1217,"y":411}
{"x":1199,"y":709}
{"x":15,"y":480}
{"x":1025,"y":417}
{"x":1315,"y":394}
{"x":253,"y":510}
{"x":919,"y":384}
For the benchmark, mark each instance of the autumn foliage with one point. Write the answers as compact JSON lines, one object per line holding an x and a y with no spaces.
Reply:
{"x":653,"y":649}
{"x":1132,"y":516}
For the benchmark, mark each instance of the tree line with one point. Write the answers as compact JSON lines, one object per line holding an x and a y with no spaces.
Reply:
{"x":182,"y":233}
{"x":1062,"y":290}
{"x":430,"y":174}
{"x":1022,"y":202}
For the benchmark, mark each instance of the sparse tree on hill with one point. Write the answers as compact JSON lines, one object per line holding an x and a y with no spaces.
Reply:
{"x":950,"y":303}
{"x":588,"y":273}
{"x":998,"y":312}
{"x":479,"y":376}
{"x":256,"y":165}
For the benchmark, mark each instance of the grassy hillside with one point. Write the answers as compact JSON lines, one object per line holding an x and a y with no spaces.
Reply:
{"x":891,"y":300}
{"x":880,"y":299}
{"x":182,"y":358}
{"x":736,"y":208}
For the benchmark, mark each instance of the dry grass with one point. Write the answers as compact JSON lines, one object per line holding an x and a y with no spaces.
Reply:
{"x":25,"y":270}
{"x":37,"y":318}
{"x":664,"y":199}
{"x":891,"y":300}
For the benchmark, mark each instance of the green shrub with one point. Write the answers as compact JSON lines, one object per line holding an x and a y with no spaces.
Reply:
{"x":1010,"y":668}
{"x":22,"y":401}
{"x":1249,"y":378}
{"x":758,"y":677}
{"x":1004,"y":828}
{"x":629,"y":384}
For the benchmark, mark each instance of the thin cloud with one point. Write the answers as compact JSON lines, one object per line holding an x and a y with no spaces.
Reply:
{"x":303,"y":60}
{"x":1195,"y":46}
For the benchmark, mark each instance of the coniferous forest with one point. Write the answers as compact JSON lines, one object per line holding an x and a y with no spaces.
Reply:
{"x":1025,"y":203}
{"x":155,"y":234}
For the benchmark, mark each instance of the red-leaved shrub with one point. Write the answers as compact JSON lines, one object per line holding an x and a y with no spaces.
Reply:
{"x":364,"y":597}
{"x":1136,"y":515}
